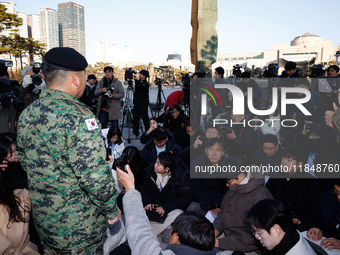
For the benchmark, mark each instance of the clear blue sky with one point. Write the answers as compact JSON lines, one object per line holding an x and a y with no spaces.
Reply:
{"x":154,"y":28}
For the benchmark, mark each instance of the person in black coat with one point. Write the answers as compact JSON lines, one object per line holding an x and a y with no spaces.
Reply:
{"x":141,"y":102}
{"x":166,"y":188}
{"x":172,"y":119}
{"x":270,"y":153}
{"x":297,"y":190}
{"x":161,"y":142}
{"x":324,"y":218}
{"x":189,"y":134}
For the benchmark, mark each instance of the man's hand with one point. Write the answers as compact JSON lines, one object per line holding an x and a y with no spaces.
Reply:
{"x":111,"y":222}
{"x":216,"y":233}
{"x":331,"y":243}
{"x":245,"y":94}
{"x":3,"y":165}
{"x":329,"y":114}
{"x":215,"y":211}
{"x":27,"y":81}
{"x":160,"y":210}
{"x":149,"y":207}
{"x":198,"y":142}
{"x":296,"y":221}
{"x":305,"y":131}
{"x":231,"y":136}
{"x":126,"y":179}
{"x":104,"y":90}
{"x":294,"y":116}
{"x":110,"y":159}
{"x":314,"y":234}
{"x":216,"y":242}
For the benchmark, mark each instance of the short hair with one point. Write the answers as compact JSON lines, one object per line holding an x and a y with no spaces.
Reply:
{"x":266,"y":213}
{"x":294,"y":152}
{"x":112,"y":132}
{"x":290,"y":66}
{"x":194,"y":230}
{"x":220,"y":70}
{"x":108,"y":68}
{"x":7,"y":140}
{"x":167,"y":159}
{"x":270,"y":138}
{"x":28,"y":68}
{"x":212,"y":141}
{"x":337,"y":182}
{"x":177,"y":107}
{"x":302,"y":81}
{"x":55,"y":75}
{"x":134,"y":159}
{"x":91,"y":77}
{"x":212,"y":126}
{"x":335,"y":67}
{"x":245,"y":75}
{"x":160,"y":134}
{"x":145,"y":73}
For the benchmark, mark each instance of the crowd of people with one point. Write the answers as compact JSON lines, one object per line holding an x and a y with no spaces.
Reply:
{"x":70,"y":185}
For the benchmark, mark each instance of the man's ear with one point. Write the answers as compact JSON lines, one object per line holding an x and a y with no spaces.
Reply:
{"x":75,"y":79}
{"x":277,"y":229}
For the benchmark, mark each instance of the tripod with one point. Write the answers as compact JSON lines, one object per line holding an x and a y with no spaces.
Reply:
{"x":160,"y":93}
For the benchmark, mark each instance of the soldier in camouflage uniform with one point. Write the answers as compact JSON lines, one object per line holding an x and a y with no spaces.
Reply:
{"x":61,"y":147}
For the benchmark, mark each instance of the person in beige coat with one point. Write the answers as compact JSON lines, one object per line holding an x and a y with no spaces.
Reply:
{"x":14,"y":220}
{"x":109,"y":92}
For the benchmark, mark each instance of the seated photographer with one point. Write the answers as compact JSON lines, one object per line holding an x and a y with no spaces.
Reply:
{"x":166,"y":189}
{"x":241,"y":140}
{"x":109,"y":92}
{"x":190,"y":234}
{"x":209,"y":193}
{"x":333,"y":70}
{"x":324,"y":218}
{"x":272,"y":225}
{"x":114,"y":141}
{"x":161,"y":141}
{"x":315,"y":105}
{"x":295,"y":188}
{"x":257,"y":93}
{"x":269,"y":126}
{"x":141,"y":102}
{"x":190,"y":132}
{"x":172,"y":118}
{"x":245,"y":190}
{"x":30,"y":88}
{"x":269,"y":154}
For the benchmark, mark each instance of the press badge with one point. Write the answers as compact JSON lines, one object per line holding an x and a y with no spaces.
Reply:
{"x":91,"y":124}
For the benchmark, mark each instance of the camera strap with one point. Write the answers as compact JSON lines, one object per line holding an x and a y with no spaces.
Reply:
{"x":28,"y":98}
{"x":9,"y":124}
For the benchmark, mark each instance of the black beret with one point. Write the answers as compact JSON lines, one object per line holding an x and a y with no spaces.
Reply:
{"x":65,"y":58}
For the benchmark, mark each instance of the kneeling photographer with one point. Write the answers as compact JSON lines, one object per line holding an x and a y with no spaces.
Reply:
{"x":10,"y":105}
{"x":32,"y":84}
{"x":172,"y":119}
{"x":141,"y":102}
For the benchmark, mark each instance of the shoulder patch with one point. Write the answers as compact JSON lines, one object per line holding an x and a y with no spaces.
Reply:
{"x":83,"y":109}
{"x":91,"y":124}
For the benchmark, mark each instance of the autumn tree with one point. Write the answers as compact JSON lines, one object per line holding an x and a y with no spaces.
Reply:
{"x":8,"y":20}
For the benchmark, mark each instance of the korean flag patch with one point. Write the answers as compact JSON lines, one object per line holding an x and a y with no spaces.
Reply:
{"x":91,"y":124}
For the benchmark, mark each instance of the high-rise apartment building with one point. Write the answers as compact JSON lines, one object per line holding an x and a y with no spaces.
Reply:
{"x":34,"y":26}
{"x":49,"y":27}
{"x":72,"y":26}
{"x":23,"y":29}
{"x":10,"y":9}
{"x":112,"y":53}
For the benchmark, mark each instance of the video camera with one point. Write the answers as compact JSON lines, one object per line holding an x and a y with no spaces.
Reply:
{"x":328,"y":87}
{"x":186,"y":87}
{"x":270,"y":72}
{"x":128,"y":76}
{"x":317,"y":71}
{"x":237,"y":70}
{"x":36,"y":77}
{"x":7,"y":88}
{"x":202,"y":74}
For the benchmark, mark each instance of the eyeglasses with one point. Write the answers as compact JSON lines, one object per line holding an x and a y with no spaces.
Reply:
{"x":336,"y":192}
{"x":257,"y":234}
{"x":159,"y":143}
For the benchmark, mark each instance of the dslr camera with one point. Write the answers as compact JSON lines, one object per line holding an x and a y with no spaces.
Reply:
{"x":109,"y":91}
{"x":120,"y":162}
{"x":36,"y":77}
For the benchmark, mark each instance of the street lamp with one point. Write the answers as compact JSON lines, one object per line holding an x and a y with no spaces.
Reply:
{"x":337,"y":54}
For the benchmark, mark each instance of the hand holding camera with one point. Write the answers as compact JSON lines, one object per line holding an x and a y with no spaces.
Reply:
{"x":126,"y":178}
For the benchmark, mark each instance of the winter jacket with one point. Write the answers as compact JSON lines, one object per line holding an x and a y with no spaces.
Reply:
{"x":259,"y":158}
{"x":301,"y":247}
{"x":321,"y":216}
{"x":141,"y":95}
{"x":176,"y":194}
{"x":150,"y":154}
{"x":145,"y":138}
{"x":16,"y":240}
{"x":208,"y":190}
{"x":139,"y":231}
{"x":113,"y":104}
{"x":184,"y":140}
{"x":231,"y":217}
{"x":244,"y":143}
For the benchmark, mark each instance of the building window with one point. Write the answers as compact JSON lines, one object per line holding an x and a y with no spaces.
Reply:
{"x":240,"y":58}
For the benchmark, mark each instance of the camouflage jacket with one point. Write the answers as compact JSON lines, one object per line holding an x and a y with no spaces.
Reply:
{"x":61,"y":148}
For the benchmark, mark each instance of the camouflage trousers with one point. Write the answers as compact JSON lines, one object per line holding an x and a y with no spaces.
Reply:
{"x":94,"y":249}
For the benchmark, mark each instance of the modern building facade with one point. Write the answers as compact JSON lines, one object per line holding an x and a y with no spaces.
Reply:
{"x":71,"y":21}
{"x":10,"y":9}
{"x":49,"y":27}
{"x":34,"y":26}
{"x":306,"y":50}
{"x":174,"y":56}
{"x":111,"y":53}
{"x":23,"y":29}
